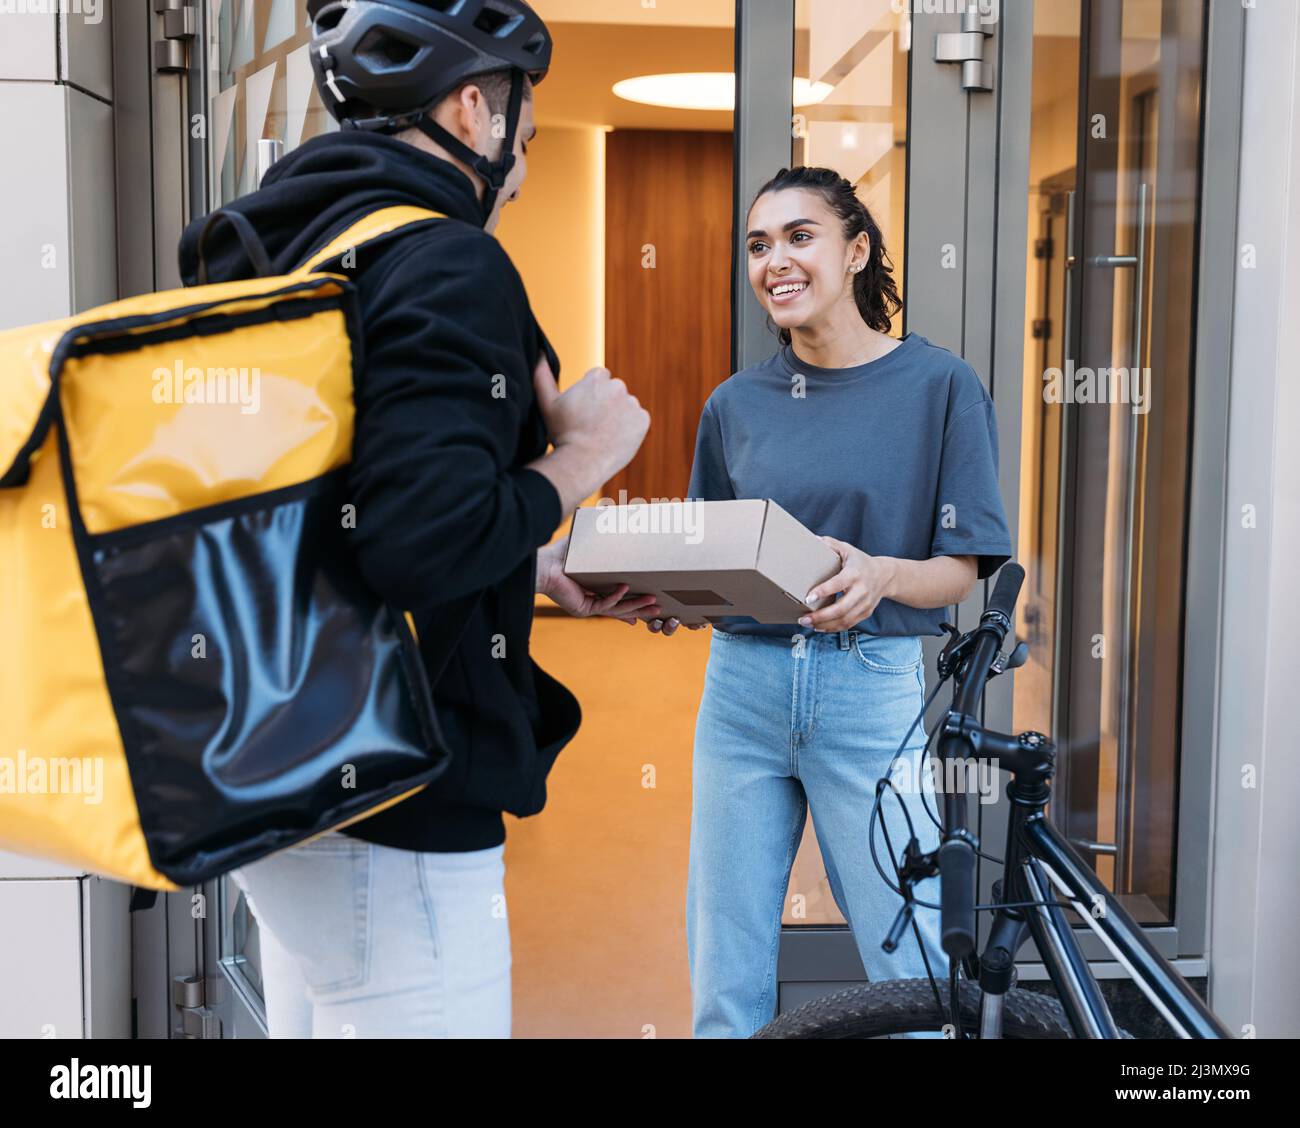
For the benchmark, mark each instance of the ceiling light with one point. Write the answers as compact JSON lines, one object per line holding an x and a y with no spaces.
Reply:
{"x":703,"y":90}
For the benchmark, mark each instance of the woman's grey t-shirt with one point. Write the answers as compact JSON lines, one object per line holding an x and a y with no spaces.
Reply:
{"x":897,"y":456}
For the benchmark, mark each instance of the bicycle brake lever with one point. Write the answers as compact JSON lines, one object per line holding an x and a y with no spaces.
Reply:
{"x":901,"y":921}
{"x":915,"y":867}
{"x":951,"y":650}
{"x":1004,"y":662}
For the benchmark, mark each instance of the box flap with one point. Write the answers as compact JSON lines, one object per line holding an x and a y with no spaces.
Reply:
{"x":795,"y":558}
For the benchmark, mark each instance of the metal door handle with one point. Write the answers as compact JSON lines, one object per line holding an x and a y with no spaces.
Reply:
{"x":1138,"y":262}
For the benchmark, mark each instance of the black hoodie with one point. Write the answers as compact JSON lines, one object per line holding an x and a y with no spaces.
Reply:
{"x":448,"y":520}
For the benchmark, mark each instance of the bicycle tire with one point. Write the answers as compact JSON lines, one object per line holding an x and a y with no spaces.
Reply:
{"x":905,"y":1006}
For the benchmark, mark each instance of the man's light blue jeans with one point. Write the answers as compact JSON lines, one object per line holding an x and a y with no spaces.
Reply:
{"x":366,"y":941}
{"x":785,"y":726}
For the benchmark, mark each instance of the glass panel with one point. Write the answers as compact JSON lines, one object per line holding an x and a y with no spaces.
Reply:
{"x":860,"y":50}
{"x":254,"y":96}
{"x":239,"y":940}
{"x":280,"y":23}
{"x":1106,"y":421}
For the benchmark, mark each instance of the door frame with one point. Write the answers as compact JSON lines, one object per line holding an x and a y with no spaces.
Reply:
{"x":182,"y":986}
{"x":977,"y":142}
{"x":967,"y":186}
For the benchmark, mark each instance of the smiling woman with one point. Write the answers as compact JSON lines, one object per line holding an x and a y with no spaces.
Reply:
{"x":833,"y":239}
{"x":887,"y":448}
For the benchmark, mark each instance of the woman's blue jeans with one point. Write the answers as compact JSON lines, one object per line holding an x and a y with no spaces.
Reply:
{"x":788,"y":725}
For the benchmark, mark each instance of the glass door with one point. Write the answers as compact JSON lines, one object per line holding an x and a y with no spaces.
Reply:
{"x":858,"y":126}
{"x":899,"y":103}
{"x":216,"y":92}
{"x":858,"y":56}
{"x":261,"y":103}
{"x":1106,"y":427}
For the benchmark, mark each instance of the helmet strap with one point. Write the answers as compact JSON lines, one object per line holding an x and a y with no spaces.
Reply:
{"x":493,"y":173}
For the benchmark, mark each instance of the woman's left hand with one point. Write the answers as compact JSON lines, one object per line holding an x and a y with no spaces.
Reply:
{"x":581,"y":603}
{"x":864,"y":580}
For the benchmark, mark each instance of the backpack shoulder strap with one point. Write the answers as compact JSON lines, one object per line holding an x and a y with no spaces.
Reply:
{"x":366,"y":230}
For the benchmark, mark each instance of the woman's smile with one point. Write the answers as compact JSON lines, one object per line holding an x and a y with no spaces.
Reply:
{"x":787,"y":290}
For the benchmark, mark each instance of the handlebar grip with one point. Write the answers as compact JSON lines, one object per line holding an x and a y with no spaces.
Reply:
{"x":1007,"y":590}
{"x":957,"y":897}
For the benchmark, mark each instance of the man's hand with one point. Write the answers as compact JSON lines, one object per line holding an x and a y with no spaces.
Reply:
{"x":596,"y":426}
{"x":581,"y":603}
{"x":864,"y":580}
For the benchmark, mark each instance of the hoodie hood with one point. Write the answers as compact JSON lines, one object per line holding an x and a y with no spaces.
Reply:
{"x":321,"y":187}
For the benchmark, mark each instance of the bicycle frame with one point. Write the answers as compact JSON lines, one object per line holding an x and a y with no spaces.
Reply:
{"x":1044,"y":867}
{"x":1041,"y":867}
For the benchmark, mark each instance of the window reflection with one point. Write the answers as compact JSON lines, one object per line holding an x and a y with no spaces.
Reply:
{"x":257,"y":95}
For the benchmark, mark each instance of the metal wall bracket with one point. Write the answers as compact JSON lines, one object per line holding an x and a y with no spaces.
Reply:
{"x":180,"y":24}
{"x":967,"y":48}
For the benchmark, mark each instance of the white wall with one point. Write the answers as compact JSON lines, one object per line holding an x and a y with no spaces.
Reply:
{"x":1255,"y":895}
{"x":65,"y":946}
{"x":56,"y":137}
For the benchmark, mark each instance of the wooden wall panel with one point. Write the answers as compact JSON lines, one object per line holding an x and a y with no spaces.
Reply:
{"x":667,"y":327}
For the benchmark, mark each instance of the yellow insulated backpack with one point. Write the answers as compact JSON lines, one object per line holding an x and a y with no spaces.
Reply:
{"x":193,"y":673}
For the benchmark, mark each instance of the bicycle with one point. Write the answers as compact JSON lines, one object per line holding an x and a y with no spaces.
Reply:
{"x":984,"y":1002}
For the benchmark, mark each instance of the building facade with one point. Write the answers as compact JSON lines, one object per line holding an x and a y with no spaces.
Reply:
{"x":1095,"y":202}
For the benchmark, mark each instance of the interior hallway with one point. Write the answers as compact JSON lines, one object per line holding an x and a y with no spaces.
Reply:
{"x":595,"y":884}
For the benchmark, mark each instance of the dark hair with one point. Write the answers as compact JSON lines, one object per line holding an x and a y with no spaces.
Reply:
{"x":496,"y":88}
{"x":874,"y":289}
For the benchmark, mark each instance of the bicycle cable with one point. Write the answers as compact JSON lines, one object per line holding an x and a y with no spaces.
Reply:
{"x":886,"y":781}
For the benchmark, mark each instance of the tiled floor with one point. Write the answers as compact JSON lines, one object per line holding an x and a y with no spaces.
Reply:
{"x":595,"y":883}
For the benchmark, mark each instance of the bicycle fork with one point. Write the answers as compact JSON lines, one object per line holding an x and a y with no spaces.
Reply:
{"x":1066,"y":965}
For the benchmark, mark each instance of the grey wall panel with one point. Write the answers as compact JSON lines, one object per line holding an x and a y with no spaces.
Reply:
{"x":29,"y":46}
{"x":106,"y":957}
{"x":93,"y":199}
{"x":37,"y":281}
{"x":935,"y":262}
{"x":1011,"y":247}
{"x":171,"y":183}
{"x":40,"y":965}
{"x":1205,"y":534}
{"x":86,"y":47}
{"x":765,"y":107}
{"x":133,"y":139}
{"x":995,"y":327}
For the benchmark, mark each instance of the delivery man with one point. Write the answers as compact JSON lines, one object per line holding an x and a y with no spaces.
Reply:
{"x":396,"y":926}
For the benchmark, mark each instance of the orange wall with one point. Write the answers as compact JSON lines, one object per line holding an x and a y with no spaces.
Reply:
{"x":555,"y":233}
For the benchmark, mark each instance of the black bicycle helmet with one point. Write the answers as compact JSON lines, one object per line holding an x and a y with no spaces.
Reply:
{"x":381,"y":65}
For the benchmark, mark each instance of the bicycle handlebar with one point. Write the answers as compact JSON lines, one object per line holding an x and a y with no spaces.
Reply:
{"x":957,"y":853}
{"x":1006,"y":591}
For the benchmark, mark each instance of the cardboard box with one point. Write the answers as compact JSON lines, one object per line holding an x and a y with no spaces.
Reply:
{"x":705,"y":560}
